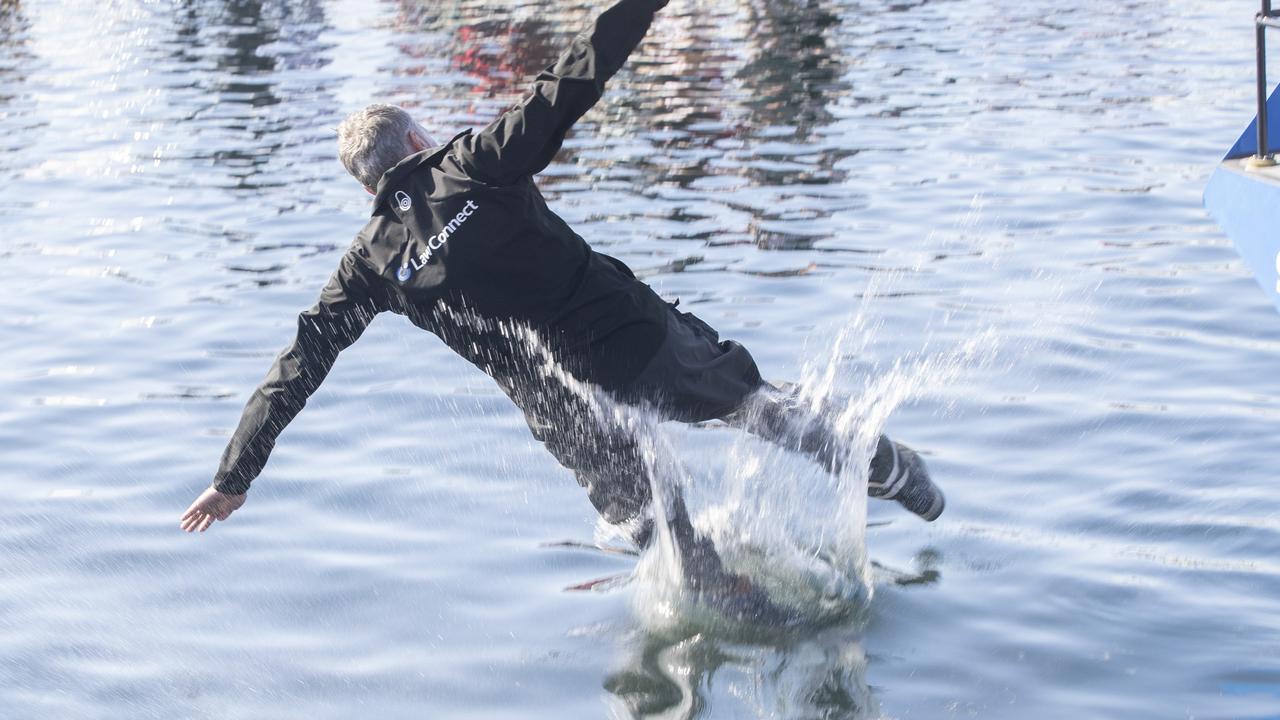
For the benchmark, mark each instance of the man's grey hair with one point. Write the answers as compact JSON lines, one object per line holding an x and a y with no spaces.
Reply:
{"x":371,"y":141}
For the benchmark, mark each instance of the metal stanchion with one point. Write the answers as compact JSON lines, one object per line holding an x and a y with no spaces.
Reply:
{"x":1262,"y":158}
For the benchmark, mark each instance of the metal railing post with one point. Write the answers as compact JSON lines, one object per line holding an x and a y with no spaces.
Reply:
{"x":1263,"y":155}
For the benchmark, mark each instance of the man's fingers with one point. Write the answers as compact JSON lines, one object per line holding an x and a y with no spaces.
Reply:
{"x":206,"y":510}
{"x":194,"y":512}
{"x":193,"y":524}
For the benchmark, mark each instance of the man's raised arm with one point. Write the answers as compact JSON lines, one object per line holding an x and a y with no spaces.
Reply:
{"x":524,"y":139}
{"x":346,"y":307}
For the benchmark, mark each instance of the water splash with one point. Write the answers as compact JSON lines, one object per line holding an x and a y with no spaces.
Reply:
{"x":797,"y":529}
{"x":776,"y":516}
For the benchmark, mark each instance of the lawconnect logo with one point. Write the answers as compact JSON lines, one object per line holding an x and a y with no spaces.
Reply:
{"x":435,"y":242}
{"x":403,"y":200}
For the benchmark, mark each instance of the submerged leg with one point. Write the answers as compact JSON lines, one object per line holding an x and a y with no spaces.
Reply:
{"x":603,"y":455}
{"x":779,"y":415}
{"x":606,"y":459}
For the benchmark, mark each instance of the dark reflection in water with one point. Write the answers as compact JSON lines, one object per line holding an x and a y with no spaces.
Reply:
{"x":796,"y":69}
{"x":239,"y":51}
{"x":672,"y":677}
{"x":491,"y":51}
{"x":707,"y":79}
{"x":15,"y":105}
{"x":712,"y":95}
{"x":498,"y":54}
{"x":14,"y":27}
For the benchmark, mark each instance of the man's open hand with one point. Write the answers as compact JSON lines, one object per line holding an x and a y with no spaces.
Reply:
{"x":211,"y":505}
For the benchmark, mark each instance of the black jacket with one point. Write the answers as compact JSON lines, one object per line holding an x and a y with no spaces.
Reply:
{"x":461,"y":230}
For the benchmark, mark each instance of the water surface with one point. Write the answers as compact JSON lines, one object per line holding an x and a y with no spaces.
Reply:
{"x":996,"y":205}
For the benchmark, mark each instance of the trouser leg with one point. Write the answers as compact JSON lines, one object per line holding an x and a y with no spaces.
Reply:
{"x":894,"y":471}
{"x":602,"y":453}
{"x":780,"y":416}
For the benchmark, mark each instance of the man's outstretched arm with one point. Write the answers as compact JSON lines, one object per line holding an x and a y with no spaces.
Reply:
{"x":524,"y":139}
{"x":347,"y":305}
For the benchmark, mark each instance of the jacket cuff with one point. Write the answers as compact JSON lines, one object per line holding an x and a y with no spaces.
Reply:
{"x":227,"y":486}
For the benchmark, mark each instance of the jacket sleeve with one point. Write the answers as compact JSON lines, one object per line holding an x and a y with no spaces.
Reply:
{"x":524,"y":139}
{"x":346,"y":306}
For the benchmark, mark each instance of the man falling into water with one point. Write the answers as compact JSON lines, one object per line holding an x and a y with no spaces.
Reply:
{"x":462,"y":243}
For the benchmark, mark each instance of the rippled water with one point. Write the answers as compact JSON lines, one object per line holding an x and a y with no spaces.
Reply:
{"x":989,"y":210}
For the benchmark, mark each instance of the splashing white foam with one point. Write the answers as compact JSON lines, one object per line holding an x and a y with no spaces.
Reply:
{"x":777,"y":517}
{"x":798,"y":531}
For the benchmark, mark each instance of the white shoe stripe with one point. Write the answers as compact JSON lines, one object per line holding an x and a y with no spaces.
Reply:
{"x":899,"y":483}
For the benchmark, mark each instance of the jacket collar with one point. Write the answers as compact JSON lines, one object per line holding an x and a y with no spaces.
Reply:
{"x":394,"y":177}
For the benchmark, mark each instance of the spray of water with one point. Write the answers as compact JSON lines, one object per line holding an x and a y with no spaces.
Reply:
{"x":797,"y":527}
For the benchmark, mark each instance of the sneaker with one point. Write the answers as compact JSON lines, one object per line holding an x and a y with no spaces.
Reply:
{"x":898,"y":473}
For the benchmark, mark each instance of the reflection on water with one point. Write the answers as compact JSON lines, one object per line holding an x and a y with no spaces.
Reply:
{"x":671,"y":677}
{"x":16,"y":106}
{"x":236,"y":52}
{"x":739,"y":92}
{"x":792,"y":77}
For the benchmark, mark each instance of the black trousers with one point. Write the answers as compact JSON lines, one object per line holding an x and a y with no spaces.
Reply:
{"x":693,"y":377}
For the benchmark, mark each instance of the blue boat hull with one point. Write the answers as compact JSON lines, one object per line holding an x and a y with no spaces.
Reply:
{"x":1246,"y":203}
